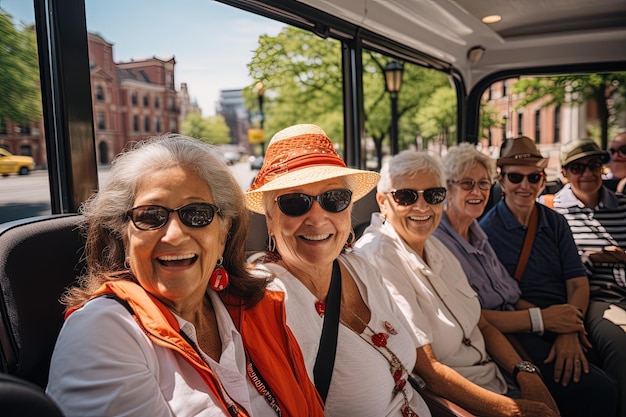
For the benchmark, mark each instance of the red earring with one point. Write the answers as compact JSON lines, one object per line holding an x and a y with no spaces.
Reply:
{"x":219,"y":278}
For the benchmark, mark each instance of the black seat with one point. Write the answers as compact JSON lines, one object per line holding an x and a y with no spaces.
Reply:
{"x":39,"y":258}
{"x":20,"y":398}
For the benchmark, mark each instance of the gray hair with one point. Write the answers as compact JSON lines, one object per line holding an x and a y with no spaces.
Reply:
{"x":462,"y":158}
{"x":105,"y":217}
{"x":408,"y":163}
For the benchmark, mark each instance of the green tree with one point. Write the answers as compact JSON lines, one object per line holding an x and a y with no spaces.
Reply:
{"x":212,"y":129}
{"x":438,"y":120}
{"x":489,"y":117}
{"x":20,"y":95}
{"x":577,"y":89}
{"x":302,"y":77}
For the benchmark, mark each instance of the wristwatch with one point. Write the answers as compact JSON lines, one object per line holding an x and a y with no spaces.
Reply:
{"x":525,"y":366}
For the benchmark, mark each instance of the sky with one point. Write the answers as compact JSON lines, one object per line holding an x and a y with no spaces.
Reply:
{"x":211,"y":42}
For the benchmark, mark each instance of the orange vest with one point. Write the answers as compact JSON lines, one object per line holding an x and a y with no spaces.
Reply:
{"x":269,"y":344}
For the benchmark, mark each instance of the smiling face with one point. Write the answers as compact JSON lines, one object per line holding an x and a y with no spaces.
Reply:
{"x":587,"y":183}
{"x":617,"y":162}
{"x":416,"y":222}
{"x":174,"y":263}
{"x":468,"y":204}
{"x":521,"y":197}
{"x":314,"y":239}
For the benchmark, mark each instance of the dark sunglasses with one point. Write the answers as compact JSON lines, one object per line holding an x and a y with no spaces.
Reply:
{"x":154,"y":217}
{"x":298,"y":204}
{"x":407,"y":196}
{"x":621,"y":151}
{"x":469,"y":185}
{"x":516,"y":178}
{"x":579,"y":168}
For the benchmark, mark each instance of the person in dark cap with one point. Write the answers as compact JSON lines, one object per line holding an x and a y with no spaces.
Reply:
{"x":535,"y":245}
{"x":597,"y":217}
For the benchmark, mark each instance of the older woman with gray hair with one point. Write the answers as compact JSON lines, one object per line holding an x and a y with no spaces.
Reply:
{"x":429,"y":285}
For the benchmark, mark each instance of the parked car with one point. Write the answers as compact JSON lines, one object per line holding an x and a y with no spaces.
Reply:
{"x":15,"y":164}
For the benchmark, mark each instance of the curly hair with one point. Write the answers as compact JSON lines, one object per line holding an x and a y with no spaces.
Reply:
{"x":461,"y":159}
{"x":105,"y":221}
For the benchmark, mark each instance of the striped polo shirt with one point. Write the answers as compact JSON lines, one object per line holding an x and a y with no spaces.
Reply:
{"x":594,"y":229}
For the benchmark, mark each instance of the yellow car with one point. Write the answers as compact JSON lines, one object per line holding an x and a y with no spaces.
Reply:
{"x":15,"y":164}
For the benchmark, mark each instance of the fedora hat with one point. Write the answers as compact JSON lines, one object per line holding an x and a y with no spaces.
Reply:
{"x":581,"y":148}
{"x":299,"y":155}
{"x":521,"y":151}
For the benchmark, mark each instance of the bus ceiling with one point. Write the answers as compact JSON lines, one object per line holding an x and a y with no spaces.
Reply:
{"x":524,"y":36}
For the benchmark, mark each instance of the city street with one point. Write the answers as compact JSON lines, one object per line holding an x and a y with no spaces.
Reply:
{"x":29,"y":195}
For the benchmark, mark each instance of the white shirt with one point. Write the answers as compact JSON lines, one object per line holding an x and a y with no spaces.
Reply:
{"x":361,"y":384}
{"x":104,"y":365}
{"x":417,"y":288}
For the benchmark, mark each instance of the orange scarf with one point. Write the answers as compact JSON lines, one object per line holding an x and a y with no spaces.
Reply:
{"x":268,"y":342}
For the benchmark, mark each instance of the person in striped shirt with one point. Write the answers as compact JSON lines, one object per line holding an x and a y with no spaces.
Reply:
{"x":597,"y":218}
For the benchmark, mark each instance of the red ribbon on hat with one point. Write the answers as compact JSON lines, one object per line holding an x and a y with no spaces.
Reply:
{"x":292,"y":154}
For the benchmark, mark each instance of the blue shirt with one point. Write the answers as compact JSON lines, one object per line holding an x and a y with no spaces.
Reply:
{"x":553,"y":258}
{"x":496,"y":288}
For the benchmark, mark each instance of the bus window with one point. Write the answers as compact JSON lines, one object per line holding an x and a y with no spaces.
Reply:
{"x":554,"y":110}
{"x":406,"y":107}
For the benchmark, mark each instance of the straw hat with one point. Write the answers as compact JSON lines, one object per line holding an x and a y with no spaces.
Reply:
{"x":581,"y":148}
{"x":300,"y":155}
{"x":521,"y":151}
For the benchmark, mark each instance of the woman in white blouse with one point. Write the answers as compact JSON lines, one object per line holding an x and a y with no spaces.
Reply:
{"x":427,"y":282}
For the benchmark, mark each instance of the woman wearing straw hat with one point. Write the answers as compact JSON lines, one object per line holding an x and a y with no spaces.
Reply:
{"x":549,"y":272}
{"x":336,"y":302}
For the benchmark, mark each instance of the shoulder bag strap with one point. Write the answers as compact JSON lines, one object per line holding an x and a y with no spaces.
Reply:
{"x":528,"y":243}
{"x":325,"y":360}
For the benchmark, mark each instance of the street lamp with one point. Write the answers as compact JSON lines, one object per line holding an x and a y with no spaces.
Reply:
{"x":259,"y":89}
{"x":393,"y":82}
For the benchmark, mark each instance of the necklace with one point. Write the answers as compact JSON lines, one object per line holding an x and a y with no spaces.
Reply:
{"x":466,"y":340}
{"x":379,"y":343}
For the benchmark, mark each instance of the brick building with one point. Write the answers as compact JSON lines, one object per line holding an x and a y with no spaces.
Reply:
{"x":131,"y":101}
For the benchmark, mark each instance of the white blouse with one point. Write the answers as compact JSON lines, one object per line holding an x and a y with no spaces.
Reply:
{"x":436,"y":299}
{"x":361,"y":384}
{"x":104,"y":365}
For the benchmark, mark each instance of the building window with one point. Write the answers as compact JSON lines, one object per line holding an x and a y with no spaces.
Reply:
{"x":26,"y":150}
{"x":133,"y":99}
{"x":146,"y":102}
{"x":557,"y":124}
{"x":173,"y":126}
{"x":24,"y":129}
{"x":99,"y":94}
{"x":537,"y":126}
{"x":156,"y":103}
{"x":489,"y":91}
{"x":505,"y":123}
{"x":520,"y":124}
{"x":135,"y":123}
{"x":146,"y":124}
{"x":3,"y":126}
{"x":504,"y":88}
{"x":170,"y":103}
{"x":157,"y":124}
{"x":101,"y":121}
